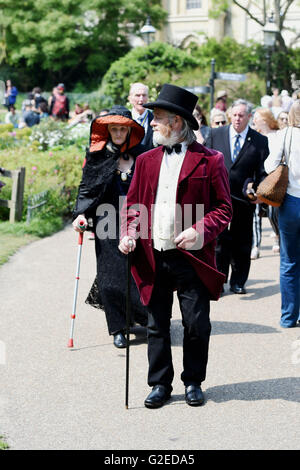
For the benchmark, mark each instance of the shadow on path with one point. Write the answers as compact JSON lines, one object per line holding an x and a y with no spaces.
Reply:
{"x":285,"y":388}
{"x":222,"y":328}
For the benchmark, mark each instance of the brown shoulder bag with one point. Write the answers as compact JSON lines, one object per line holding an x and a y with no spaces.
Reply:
{"x":273,"y":188}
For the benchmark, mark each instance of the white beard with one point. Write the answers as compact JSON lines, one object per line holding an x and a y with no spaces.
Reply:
{"x":159,"y":139}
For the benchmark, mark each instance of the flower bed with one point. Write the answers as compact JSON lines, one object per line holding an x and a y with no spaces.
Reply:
{"x":52,"y":154}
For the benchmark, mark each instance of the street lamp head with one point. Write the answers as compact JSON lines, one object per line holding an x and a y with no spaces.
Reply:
{"x":148,"y":30}
{"x":270,"y":32}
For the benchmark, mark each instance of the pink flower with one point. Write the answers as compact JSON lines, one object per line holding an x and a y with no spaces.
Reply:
{"x":34,"y":168}
{"x":50,"y":153}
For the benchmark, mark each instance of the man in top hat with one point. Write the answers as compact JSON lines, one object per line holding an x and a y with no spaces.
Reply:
{"x":177,"y":204}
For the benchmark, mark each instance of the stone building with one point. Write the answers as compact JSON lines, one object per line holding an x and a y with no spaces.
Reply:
{"x":189,"y":21}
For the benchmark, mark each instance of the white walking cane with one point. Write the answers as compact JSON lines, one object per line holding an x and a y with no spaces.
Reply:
{"x":82,"y":227}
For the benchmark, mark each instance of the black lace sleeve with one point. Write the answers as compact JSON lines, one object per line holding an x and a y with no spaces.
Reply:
{"x":97,"y":175}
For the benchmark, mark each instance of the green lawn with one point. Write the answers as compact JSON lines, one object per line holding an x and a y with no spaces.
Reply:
{"x":10,"y":243}
{"x":3,"y":445}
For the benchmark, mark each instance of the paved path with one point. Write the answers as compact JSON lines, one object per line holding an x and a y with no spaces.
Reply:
{"x":53,"y":397}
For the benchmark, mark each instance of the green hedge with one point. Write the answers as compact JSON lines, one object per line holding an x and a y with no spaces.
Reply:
{"x":55,"y":169}
{"x":161,"y":63}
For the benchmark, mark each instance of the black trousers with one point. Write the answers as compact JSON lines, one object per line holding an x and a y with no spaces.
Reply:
{"x":175,"y":272}
{"x":234,"y":244}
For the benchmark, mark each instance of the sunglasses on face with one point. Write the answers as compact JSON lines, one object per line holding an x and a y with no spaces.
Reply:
{"x":220,"y":122}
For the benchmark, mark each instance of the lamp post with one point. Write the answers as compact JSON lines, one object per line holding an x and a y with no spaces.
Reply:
{"x":148,"y":31}
{"x":270,"y":35}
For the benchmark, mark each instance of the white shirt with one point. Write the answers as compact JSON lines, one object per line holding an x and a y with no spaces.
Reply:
{"x":232,"y":137}
{"x":141,"y":118}
{"x":292,"y":154}
{"x":163,"y":225}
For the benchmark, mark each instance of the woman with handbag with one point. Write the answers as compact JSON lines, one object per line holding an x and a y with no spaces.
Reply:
{"x":287,"y":142}
{"x":265,"y":123}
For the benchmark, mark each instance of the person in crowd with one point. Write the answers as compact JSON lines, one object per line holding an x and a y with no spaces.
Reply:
{"x":172,"y":255}
{"x":276,"y":102}
{"x":138,"y":96}
{"x":1,"y":182}
{"x":78,"y":109}
{"x":218,"y":118}
{"x":107,"y":173}
{"x":228,"y":114}
{"x":60,"y":107}
{"x":296,"y":95}
{"x":283,"y":119}
{"x":286,"y":101}
{"x":37,"y":98}
{"x":221,"y":101}
{"x":266,"y":101}
{"x":51,"y":98}
{"x":265,"y":123}
{"x":12,"y":117}
{"x":30,"y":117}
{"x":288,"y":141}
{"x":82,"y":114}
{"x":11,"y":93}
{"x":244,"y":150}
{"x":43,"y":109}
{"x":204,"y":129}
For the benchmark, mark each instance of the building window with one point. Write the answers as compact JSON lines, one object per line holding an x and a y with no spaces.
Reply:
{"x":193,"y":4}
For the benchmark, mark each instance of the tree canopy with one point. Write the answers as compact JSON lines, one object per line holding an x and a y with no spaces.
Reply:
{"x":71,"y":39}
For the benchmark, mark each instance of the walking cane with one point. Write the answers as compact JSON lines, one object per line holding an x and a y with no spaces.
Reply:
{"x":82,"y":227}
{"x":128,"y":318}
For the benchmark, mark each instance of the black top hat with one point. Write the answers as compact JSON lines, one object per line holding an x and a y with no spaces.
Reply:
{"x":177,"y":100}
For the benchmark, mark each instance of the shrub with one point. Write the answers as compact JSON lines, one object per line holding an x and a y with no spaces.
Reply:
{"x":161,"y":63}
{"x":139,"y":64}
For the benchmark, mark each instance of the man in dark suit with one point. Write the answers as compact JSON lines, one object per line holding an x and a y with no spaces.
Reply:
{"x":138,"y":96}
{"x":244,"y":151}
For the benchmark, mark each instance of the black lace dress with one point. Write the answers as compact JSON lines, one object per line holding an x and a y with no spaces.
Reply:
{"x":108,"y":291}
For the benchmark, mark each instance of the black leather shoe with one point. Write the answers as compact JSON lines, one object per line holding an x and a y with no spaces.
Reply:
{"x":194,"y":395}
{"x":119,"y":340}
{"x":157,"y":397}
{"x":237,"y":289}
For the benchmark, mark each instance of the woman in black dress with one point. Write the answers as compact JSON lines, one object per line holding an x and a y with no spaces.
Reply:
{"x":107,"y":173}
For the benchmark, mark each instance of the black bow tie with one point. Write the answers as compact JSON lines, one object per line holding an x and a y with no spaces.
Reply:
{"x":175,"y":148}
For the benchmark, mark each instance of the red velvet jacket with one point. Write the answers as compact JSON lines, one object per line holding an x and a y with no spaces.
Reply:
{"x":203,"y":180}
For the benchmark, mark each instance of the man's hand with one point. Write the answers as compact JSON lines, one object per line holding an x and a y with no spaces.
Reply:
{"x":80,"y":223}
{"x":127,"y":244}
{"x":251,"y":194}
{"x":187,"y":239}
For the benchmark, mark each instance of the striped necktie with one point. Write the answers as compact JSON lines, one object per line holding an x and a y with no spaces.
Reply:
{"x":142,"y":120}
{"x":236,"y":148}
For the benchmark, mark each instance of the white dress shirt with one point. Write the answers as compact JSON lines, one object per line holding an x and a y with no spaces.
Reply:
{"x":232,"y":137}
{"x":141,"y":118}
{"x":163,"y":225}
